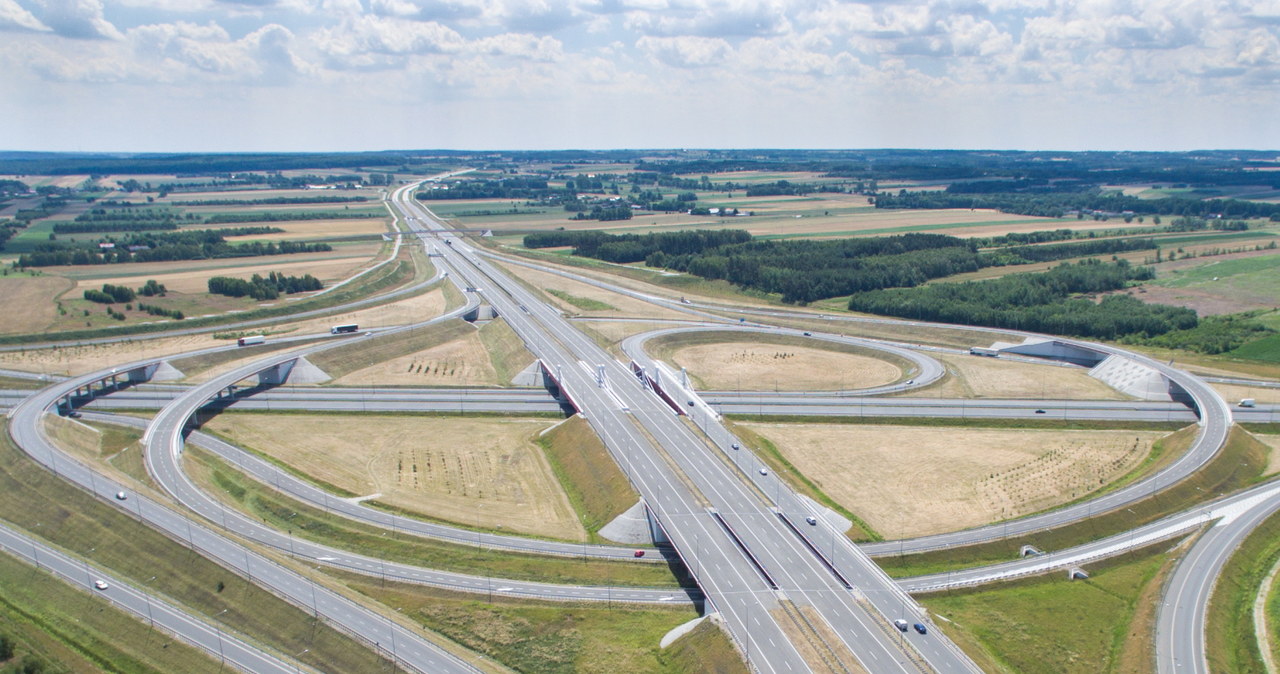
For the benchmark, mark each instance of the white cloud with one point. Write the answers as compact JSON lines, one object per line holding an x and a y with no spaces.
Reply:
{"x":13,"y":16}
{"x":78,"y":19}
{"x":685,"y":51}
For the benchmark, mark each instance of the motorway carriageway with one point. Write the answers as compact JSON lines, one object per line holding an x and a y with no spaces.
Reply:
{"x":765,"y":403}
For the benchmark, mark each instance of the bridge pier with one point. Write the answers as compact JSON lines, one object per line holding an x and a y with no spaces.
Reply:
{"x":276,"y":374}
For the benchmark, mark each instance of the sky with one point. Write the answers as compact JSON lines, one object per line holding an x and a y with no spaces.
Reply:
{"x":339,"y":75}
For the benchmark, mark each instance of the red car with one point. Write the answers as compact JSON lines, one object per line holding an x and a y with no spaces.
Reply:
{"x":639,"y":553}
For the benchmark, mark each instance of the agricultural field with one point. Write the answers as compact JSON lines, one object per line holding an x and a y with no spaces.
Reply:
{"x":29,"y":300}
{"x":909,"y":481}
{"x":979,"y":377}
{"x":1218,"y":285}
{"x":478,"y":471}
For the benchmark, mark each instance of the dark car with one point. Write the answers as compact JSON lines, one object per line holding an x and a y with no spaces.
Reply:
{"x":920,"y":628}
{"x":1039,"y":411}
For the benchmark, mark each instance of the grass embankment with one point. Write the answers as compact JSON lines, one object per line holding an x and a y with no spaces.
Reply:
{"x":21,"y":383}
{"x":532,"y":636}
{"x":597,"y":487}
{"x":33,"y":499}
{"x":392,"y":275}
{"x":343,"y":360}
{"x":314,"y":524}
{"x":1230,"y":641}
{"x":705,"y":649}
{"x":192,"y":365}
{"x":766,"y":450}
{"x":68,"y":630}
{"x":583,"y":303}
{"x":1240,"y":463}
{"x":1054,"y":625}
{"x":507,"y":352}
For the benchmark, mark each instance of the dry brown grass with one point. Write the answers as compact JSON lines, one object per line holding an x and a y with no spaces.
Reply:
{"x":29,"y":302}
{"x":979,"y":377}
{"x":74,"y":360}
{"x":914,"y":481}
{"x":1234,"y":394}
{"x":459,"y":362}
{"x":484,"y":472}
{"x":755,"y":366}
{"x":193,"y":276}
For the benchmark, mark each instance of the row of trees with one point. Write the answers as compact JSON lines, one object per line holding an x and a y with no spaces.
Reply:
{"x":1043,"y":302}
{"x":263,"y":287}
{"x":163,"y":247}
{"x":110,"y":294}
{"x":1058,"y":204}
{"x":804,"y":271}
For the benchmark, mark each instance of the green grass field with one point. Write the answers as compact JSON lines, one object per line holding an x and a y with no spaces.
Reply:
{"x":1255,"y":274}
{"x":1052,"y":625}
{"x":547,"y":638}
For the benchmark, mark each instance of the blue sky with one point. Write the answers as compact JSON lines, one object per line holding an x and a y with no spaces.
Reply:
{"x":300,"y":75}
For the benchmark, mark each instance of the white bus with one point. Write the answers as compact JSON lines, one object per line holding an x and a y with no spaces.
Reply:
{"x":340,"y":329}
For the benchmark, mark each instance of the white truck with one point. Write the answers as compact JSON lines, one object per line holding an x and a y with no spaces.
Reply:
{"x":251,"y":340}
{"x":1247,"y":402}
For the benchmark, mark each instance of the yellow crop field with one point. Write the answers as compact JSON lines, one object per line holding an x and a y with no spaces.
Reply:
{"x":915,"y":481}
{"x":484,"y":472}
{"x":979,"y":377}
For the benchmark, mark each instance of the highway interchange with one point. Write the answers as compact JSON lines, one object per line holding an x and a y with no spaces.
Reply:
{"x":734,"y":528}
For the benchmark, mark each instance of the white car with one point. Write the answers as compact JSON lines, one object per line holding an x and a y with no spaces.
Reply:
{"x":812,"y":520}
{"x":764,"y":471}
{"x":120,"y":496}
{"x":100,"y":584}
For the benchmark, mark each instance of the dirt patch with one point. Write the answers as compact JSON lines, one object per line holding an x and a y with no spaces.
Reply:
{"x":73,"y":360}
{"x":460,"y":362}
{"x":482,"y":472}
{"x":755,"y":366}
{"x":915,"y":481}
{"x":29,"y":302}
{"x":979,"y":377}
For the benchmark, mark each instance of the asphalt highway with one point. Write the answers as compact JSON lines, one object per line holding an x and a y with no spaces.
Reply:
{"x":540,"y":401}
{"x":743,"y":554}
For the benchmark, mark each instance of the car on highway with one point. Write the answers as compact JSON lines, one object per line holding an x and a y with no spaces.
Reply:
{"x":764,"y":471}
{"x":919,"y":627}
{"x":639,"y":553}
{"x":737,"y":446}
{"x":808,"y":334}
{"x":100,"y":584}
{"x":120,"y":496}
{"x":1039,"y":411}
{"x":813,"y":521}
{"x":901,"y":624}
{"x":690,"y":403}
